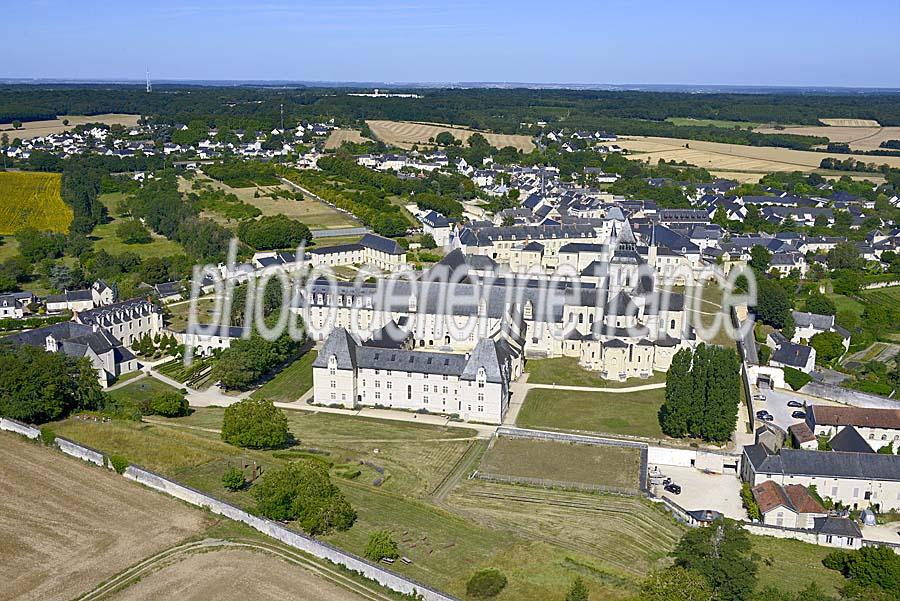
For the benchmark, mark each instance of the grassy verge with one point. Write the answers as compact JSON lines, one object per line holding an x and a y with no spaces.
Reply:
{"x":290,"y":383}
{"x":565,"y":370}
{"x":142,"y":390}
{"x":628,"y":413}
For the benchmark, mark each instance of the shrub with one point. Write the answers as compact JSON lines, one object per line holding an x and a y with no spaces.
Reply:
{"x":381,"y":545}
{"x":255,"y":424}
{"x":749,"y":502}
{"x":233,"y":479}
{"x":118,"y":463}
{"x":169,"y":404}
{"x":795,"y":378}
{"x":47,"y":435}
{"x":485,"y":584}
{"x":303,"y":491}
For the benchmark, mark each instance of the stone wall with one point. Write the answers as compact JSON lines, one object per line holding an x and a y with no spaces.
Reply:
{"x":847,"y":396}
{"x":11,"y":425}
{"x":290,"y":537}
{"x":81,"y":452}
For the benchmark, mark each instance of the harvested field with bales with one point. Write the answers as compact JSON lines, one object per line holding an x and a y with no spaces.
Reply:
{"x":406,"y":133}
{"x":32,"y":200}
{"x":592,"y":465}
{"x":37,"y":129}
{"x":339,"y":136}
{"x":66,"y":526}
{"x":858,"y":137}
{"x":732,"y":158}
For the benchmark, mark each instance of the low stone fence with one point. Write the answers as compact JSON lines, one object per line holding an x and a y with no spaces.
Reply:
{"x":557,"y":484}
{"x":677,"y":511}
{"x":289,"y":537}
{"x":807,"y":536}
{"x":11,"y":425}
{"x":72,"y":448}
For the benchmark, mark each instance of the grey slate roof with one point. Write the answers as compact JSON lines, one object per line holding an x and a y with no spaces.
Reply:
{"x":836,"y":527}
{"x":829,"y":464}
{"x":850,"y":441}
{"x":793,"y":355}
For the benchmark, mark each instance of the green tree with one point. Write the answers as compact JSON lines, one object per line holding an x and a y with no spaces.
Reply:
{"x":428,"y":242}
{"x":247,"y":360}
{"x":233,"y":479}
{"x":486,"y":584}
{"x":675,"y":584}
{"x":37,"y":386}
{"x":132,"y":231}
{"x":255,"y":424}
{"x":760,"y":258}
{"x":820,"y":304}
{"x":274,"y":232}
{"x":578,"y":591}
{"x":844,"y":255}
{"x":169,"y":404}
{"x":773,"y":306}
{"x":302,"y":491}
{"x":829,"y":346}
{"x":17,"y":124}
{"x":675,"y":411}
{"x":722,"y":554}
{"x":445,"y":138}
{"x":381,"y":545}
{"x":749,"y":502}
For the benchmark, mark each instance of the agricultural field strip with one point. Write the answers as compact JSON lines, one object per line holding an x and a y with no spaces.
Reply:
{"x":859,"y":138}
{"x":407,"y":133}
{"x":161,"y":560}
{"x":32,"y":200}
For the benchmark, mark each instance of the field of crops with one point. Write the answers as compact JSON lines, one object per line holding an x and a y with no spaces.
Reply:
{"x":32,"y":200}
{"x":405,"y":133}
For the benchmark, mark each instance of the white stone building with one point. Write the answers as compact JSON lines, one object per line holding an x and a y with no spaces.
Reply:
{"x":373,"y":250}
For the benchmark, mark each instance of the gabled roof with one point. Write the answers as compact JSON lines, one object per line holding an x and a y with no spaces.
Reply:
{"x":793,"y":355}
{"x":850,"y":441}
{"x":385,"y":245}
{"x":814,"y":320}
{"x":837,"y":527}
{"x":824,"y":415}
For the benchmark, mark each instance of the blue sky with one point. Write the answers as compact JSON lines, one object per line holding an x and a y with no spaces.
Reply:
{"x":788,"y":42}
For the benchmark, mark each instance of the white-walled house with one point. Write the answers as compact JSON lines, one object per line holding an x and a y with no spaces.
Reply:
{"x":374,"y":250}
{"x":473,"y":386}
{"x":878,"y":427}
{"x":128,"y":321}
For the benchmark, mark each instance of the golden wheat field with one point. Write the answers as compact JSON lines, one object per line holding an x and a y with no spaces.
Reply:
{"x":859,"y":138}
{"x":32,"y":200}
{"x":733,"y":158}
{"x":406,"y":133}
{"x":339,"y":136}
{"x":36,"y":129}
{"x":850,"y":122}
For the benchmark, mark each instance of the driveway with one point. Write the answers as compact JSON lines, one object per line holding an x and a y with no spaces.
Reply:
{"x":699,"y":490}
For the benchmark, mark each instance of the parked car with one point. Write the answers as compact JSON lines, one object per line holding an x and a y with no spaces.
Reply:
{"x":762,"y":413}
{"x":798,"y":415}
{"x":795,"y":404}
{"x":673,"y":488}
{"x":759,"y":397}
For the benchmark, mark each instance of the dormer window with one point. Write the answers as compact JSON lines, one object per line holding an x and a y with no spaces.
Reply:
{"x":332,"y":364}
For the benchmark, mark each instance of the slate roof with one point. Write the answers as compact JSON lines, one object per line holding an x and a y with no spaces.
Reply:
{"x":118,"y":312}
{"x":70,"y":296}
{"x":793,"y":355}
{"x":814,"y":320}
{"x":824,"y":415}
{"x":385,"y":245}
{"x":837,"y":527}
{"x":850,"y":441}
{"x":829,"y":464}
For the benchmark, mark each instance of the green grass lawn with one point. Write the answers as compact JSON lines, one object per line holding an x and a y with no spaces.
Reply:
{"x":177,"y":318}
{"x":617,"y":467}
{"x":565,"y":370}
{"x":791,"y":565}
{"x":142,"y":390}
{"x":845,"y":303}
{"x":9,"y":246}
{"x":629,"y":413}
{"x":290,"y":383}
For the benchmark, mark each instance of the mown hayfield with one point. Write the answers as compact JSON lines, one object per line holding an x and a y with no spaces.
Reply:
{"x":37,"y":129}
{"x":858,"y":137}
{"x":32,"y":200}
{"x":717,"y":156}
{"x":339,"y":136}
{"x":616,"y":467}
{"x":406,"y":133}
{"x":850,"y":122}
{"x":66,"y":526}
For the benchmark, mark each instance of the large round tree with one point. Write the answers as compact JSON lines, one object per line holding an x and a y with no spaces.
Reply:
{"x":255,"y":424}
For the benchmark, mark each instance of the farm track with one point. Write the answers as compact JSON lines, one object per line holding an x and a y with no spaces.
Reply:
{"x":452,"y":478}
{"x":164,"y":559}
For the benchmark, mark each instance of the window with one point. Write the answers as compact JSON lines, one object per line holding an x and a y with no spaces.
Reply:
{"x":332,"y":396}
{"x":480,"y":408}
{"x":389,"y":384}
{"x":377,"y":383}
{"x":425,"y":399}
{"x":480,"y":397}
{"x":333,"y":384}
{"x":377,"y":395}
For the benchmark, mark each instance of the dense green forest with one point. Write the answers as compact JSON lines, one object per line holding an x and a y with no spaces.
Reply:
{"x":624,"y":112}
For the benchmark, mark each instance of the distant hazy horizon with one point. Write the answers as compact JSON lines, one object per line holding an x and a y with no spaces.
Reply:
{"x":580,"y":43}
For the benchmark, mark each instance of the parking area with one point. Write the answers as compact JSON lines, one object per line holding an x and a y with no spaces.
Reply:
{"x":699,"y":490}
{"x":776,"y":403}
